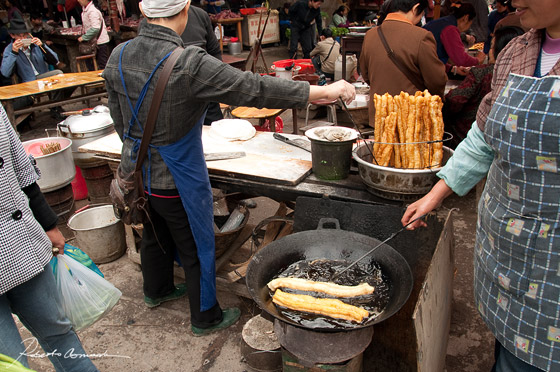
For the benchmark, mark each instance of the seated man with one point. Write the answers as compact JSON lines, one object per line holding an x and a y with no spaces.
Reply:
{"x":30,"y":58}
{"x":325,"y":54}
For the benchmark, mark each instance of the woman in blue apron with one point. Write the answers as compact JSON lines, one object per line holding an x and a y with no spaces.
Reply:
{"x":517,"y":145}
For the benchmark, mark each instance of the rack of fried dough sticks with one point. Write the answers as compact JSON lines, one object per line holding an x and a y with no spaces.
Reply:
{"x":408,"y":130}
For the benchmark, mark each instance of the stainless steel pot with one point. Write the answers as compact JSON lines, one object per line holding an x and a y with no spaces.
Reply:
{"x":393,"y":183}
{"x":57,"y":169}
{"x":99,"y":233}
{"x":85,"y":128}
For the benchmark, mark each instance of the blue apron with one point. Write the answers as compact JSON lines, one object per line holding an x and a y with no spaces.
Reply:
{"x":185,"y":161}
{"x":517,"y":251}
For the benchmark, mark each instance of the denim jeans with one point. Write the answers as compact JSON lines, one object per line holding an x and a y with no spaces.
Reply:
{"x":507,"y":362}
{"x":37,"y":304}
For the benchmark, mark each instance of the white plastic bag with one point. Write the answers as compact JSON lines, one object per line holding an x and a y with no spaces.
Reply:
{"x":85,"y":295}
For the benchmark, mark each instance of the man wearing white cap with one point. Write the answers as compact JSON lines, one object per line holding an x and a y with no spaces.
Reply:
{"x":175,"y":173}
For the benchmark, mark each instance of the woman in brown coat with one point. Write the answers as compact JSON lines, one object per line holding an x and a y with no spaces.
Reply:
{"x":414,"y":47}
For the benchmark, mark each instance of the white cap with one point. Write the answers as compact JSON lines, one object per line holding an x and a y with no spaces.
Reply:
{"x":162,"y":8}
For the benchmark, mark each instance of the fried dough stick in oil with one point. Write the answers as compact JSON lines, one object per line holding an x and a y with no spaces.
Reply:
{"x":332,"y":289}
{"x":322,"y":306}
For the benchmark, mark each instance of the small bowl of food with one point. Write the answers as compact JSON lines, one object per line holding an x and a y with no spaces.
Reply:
{"x":26,"y":42}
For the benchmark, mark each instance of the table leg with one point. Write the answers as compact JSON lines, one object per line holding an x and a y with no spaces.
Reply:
{"x":273,"y":123}
{"x":221,"y":37}
{"x":240,"y":34}
{"x":9,"y":108}
{"x":294,"y":121}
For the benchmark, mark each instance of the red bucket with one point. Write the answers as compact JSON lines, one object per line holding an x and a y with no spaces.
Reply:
{"x":306,"y":66}
{"x":79,"y":187}
{"x":283,"y":63}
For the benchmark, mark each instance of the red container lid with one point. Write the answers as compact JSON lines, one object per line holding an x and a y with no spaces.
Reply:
{"x":306,"y":66}
{"x":234,"y":39}
{"x":283,"y":63}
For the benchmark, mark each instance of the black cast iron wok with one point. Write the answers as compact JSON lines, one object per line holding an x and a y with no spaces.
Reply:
{"x":330,"y":244}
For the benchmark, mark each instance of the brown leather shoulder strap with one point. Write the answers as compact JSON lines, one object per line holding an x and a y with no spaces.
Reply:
{"x":154,"y":107}
{"x":410,"y":76}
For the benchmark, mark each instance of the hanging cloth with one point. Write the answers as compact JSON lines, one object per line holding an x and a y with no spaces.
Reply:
{"x":517,"y":261}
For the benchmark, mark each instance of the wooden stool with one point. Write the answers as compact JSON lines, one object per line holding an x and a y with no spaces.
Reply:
{"x":261,"y":114}
{"x":331,"y":105}
{"x":82,"y":66}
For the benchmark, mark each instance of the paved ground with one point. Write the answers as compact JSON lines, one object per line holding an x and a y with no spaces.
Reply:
{"x":134,"y":338}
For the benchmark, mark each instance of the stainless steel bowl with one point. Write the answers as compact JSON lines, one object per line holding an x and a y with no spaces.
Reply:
{"x":393,"y":183}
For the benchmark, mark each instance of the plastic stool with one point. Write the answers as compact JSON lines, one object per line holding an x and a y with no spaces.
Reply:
{"x":331,"y":105}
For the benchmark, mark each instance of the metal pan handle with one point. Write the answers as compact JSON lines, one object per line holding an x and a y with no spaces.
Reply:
{"x":328,"y":221}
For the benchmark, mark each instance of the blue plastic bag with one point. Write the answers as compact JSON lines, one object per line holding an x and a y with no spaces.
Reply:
{"x":80,"y":256}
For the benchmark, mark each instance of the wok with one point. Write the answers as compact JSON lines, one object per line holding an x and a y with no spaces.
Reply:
{"x":330,"y":244}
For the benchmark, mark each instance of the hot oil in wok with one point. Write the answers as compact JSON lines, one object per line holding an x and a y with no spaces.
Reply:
{"x":322,"y":271}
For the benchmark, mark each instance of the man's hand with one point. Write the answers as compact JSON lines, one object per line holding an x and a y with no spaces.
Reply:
{"x":37,"y":41}
{"x":80,"y":39}
{"x":342,"y":89}
{"x":17,"y":45}
{"x":463,"y":71}
{"x":57,"y":240}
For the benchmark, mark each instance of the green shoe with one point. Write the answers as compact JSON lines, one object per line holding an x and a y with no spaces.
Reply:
{"x":229,"y":317}
{"x":180,"y":291}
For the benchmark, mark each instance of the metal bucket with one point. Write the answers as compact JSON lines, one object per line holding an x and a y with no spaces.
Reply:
{"x":99,"y":233}
{"x":57,"y":168}
{"x":234,"y":48}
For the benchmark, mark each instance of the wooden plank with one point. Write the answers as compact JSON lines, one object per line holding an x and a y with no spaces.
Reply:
{"x":239,"y":289}
{"x":432,"y":315}
{"x":109,"y":146}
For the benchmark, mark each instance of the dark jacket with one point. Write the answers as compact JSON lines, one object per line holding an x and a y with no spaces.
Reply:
{"x":301,"y":15}
{"x":197,"y":79}
{"x":435,"y":27}
{"x":415,"y":47}
{"x":199,"y":32}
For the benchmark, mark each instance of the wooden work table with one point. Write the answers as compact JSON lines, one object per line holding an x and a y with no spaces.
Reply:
{"x":270,"y":168}
{"x":38,"y":87}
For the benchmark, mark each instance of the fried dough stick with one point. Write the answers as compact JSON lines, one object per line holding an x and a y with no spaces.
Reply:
{"x":323,"y":306}
{"x":323,"y":287}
